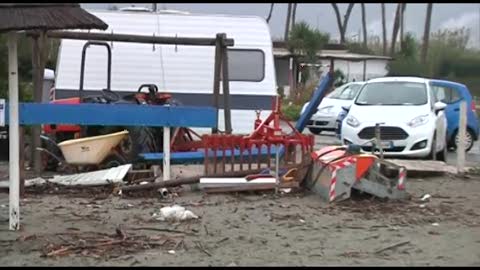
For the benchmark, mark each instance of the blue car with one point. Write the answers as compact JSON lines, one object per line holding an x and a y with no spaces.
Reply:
{"x":451,"y":93}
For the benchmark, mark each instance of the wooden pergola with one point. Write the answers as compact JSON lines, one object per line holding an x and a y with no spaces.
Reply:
{"x":37,"y":17}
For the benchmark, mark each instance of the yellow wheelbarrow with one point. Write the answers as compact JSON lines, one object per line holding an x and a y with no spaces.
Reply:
{"x":89,"y":152}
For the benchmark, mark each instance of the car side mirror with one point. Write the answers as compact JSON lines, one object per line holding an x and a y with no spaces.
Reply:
{"x":439,"y":106}
{"x":346,"y":108}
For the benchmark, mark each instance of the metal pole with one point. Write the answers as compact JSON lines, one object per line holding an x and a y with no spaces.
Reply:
{"x":13,"y":128}
{"x":166,"y":153}
{"x":462,"y":130}
{"x":136,"y":38}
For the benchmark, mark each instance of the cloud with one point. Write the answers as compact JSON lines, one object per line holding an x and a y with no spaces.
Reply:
{"x":469,"y":20}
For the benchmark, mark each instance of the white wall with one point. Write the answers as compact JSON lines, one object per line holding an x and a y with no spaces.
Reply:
{"x":354,"y":70}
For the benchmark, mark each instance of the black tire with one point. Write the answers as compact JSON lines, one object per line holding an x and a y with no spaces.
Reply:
{"x":139,"y":140}
{"x":113,"y":160}
{"x":454,"y":143}
{"x":315,"y":131}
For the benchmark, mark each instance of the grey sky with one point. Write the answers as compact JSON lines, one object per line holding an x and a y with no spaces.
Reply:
{"x":323,"y":16}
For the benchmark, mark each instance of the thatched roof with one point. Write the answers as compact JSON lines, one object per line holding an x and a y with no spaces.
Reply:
{"x":32,"y":16}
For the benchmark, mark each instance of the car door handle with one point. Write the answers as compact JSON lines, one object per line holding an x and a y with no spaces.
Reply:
{"x":456,"y":109}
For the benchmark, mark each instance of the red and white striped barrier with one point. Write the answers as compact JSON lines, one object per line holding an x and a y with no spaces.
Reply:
{"x":333,"y":179}
{"x":402,"y":174}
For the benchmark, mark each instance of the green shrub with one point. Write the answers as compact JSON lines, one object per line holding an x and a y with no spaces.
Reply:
{"x":291,"y":111}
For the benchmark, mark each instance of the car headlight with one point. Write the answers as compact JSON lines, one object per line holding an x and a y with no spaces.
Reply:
{"x":325,"y":110}
{"x":352,"y":121}
{"x":418,"y":121}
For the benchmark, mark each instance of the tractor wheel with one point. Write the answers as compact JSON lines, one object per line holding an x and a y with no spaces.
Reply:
{"x":139,"y":140}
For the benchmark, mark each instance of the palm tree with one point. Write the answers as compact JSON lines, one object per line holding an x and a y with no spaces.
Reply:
{"x":426,"y":33}
{"x":384,"y":30}
{"x":395,"y":28}
{"x":364,"y":25}
{"x":270,"y":12}
{"x":294,"y":13}
{"x":402,"y":24}
{"x":287,"y":22}
{"x":342,"y":27}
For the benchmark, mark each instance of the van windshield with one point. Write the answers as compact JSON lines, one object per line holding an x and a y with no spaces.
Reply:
{"x":345,"y":92}
{"x":393,"y":93}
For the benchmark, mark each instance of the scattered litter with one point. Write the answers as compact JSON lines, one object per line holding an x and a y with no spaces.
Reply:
{"x":425,"y":197}
{"x":163,"y":192}
{"x":302,"y":221}
{"x":422,"y":205}
{"x":3,"y":206}
{"x":144,"y":183}
{"x":232,"y":264}
{"x":171,"y":252}
{"x":28,"y":183}
{"x":435,"y":224}
{"x":286,"y":190}
{"x":174,"y":213}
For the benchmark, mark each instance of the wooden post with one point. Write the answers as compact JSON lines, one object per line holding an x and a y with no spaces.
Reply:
{"x":22,"y":161}
{"x":364,"y":70}
{"x":226,"y":87}
{"x":462,"y":130}
{"x":38,"y":58}
{"x":216,"y":76}
{"x":166,"y":153}
{"x":13,"y":128}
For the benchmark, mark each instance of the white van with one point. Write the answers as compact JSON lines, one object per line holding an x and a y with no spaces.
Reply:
{"x":184,"y":71}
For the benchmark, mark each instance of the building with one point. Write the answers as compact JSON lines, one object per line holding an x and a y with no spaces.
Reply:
{"x":355,"y":66}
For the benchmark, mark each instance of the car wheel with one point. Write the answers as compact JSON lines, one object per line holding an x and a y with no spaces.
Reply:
{"x":315,"y":131}
{"x":468,"y":140}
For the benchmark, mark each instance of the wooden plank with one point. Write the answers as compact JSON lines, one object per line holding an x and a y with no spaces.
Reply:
{"x":462,"y":130}
{"x":425,"y":166}
{"x":251,"y":187}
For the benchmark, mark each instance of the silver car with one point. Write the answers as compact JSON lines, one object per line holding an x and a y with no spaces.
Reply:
{"x":324,"y":119}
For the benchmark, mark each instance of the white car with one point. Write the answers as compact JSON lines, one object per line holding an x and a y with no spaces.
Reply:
{"x":412,"y":121}
{"x":324,"y":119}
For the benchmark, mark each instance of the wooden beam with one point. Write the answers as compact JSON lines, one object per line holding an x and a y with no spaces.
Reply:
{"x":137,"y":38}
{"x":216,"y":76}
{"x":226,"y":87}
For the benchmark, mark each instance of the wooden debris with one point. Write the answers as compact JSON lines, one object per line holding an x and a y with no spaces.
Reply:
{"x":392,"y":246}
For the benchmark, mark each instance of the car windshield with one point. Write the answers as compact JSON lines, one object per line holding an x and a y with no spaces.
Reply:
{"x":393,"y":93}
{"x":346,"y":92}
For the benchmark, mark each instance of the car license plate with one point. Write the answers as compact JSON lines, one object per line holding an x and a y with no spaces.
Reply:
{"x":385,"y":144}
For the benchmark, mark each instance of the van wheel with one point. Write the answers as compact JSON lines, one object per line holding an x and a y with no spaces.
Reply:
{"x":468,"y":140}
{"x":315,"y":131}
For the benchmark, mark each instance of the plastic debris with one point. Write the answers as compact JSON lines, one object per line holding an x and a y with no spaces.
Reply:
{"x":171,"y":252}
{"x":425,"y":197}
{"x":174,"y":213}
{"x":435,"y":224}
